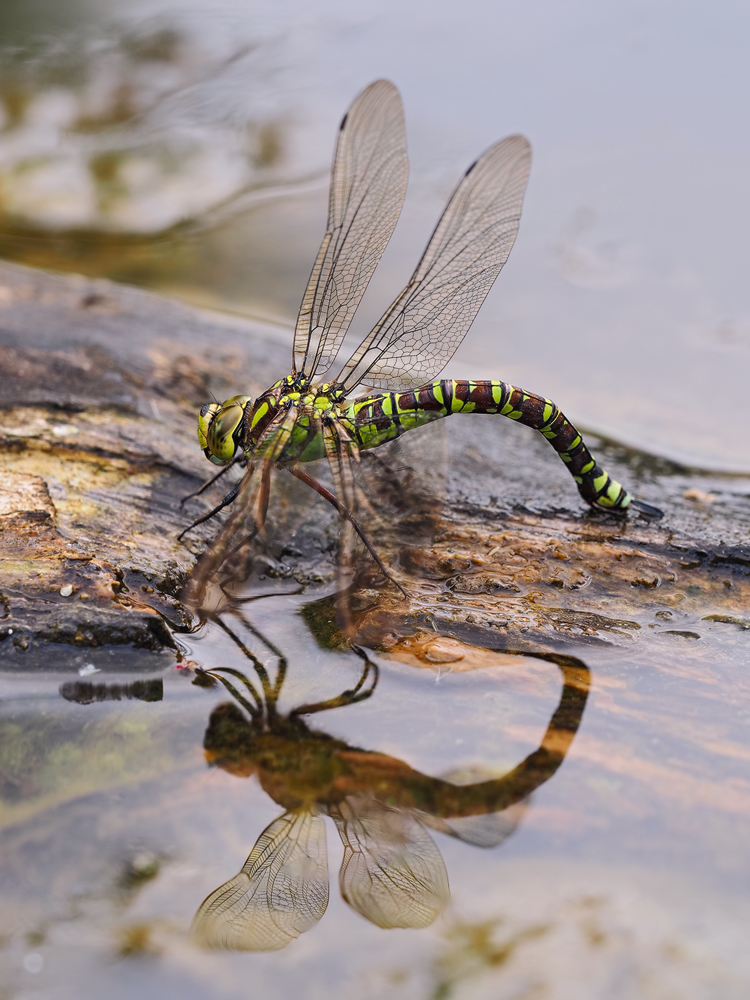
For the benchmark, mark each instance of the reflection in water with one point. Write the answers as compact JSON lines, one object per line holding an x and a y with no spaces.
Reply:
{"x":392,"y":872}
{"x":85,"y":693}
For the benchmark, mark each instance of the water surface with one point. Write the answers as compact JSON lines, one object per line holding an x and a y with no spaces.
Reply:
{"x":624,"y":871}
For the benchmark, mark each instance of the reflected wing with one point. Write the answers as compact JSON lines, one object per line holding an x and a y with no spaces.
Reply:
{"x":368,"y":185}
{"x":483,"y":830}
{"x":392,"y":872}
{"x":424,"y":326}
{"x":281,"y":891}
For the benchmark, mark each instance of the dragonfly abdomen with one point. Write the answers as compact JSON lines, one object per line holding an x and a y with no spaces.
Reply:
{"x":375,"y":419}
{"x":382,"y":417}
{"x":594,"y":483}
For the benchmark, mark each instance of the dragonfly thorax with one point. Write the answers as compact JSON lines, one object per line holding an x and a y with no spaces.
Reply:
{"x":223,"y":428}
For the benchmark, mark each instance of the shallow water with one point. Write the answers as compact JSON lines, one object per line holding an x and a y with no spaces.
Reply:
{"x":189,"y":153}
{"x":624,"y":872}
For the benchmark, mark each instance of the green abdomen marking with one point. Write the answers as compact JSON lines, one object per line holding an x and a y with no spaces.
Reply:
{"x":373,"y":420}
{"x":376,"y":419}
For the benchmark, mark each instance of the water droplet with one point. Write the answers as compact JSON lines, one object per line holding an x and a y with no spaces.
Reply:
{"x":33,"y":962}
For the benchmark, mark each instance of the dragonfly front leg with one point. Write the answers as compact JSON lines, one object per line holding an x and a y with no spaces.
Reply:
{"x":214,"y":479}
{"x":248,"y":515}
{"x":229,"y":498}
{"x":211,"y":561}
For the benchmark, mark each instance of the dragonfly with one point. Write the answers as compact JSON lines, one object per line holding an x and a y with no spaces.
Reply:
{"x":311,"y":414}
{"x":392,"y":872}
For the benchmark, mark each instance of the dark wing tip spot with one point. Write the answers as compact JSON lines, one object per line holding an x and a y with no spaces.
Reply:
{"x":343,"y":122}
{"x":471,"y":167}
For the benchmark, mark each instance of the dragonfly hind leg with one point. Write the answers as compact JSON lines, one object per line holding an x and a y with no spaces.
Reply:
{"x":350,"y":697}
{"x":345,"y":514}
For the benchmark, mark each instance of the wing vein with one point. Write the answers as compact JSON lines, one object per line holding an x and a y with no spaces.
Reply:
{"x":367,"y":190}
{"x":423,"y":327}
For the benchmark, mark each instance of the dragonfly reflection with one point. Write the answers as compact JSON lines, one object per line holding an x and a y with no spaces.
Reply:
{"x":392,"y":872}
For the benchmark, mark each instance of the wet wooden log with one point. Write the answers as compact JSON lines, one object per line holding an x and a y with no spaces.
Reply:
{"x":99,"y":390}
{"x":98,"y":400}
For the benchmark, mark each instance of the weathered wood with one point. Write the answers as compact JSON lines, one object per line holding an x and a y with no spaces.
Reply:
{"x":99,"y":391}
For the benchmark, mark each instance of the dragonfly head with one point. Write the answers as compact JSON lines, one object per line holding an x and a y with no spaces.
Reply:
{"x":220,"y":428}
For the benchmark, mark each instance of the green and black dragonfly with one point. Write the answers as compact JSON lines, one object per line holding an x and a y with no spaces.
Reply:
{"x":309,"y":414}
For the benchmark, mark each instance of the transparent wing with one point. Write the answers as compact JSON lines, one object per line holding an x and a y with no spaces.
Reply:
{"x":281,"y":891}
{"x":483,"y":830}
{"x":488,"y":829}
{"x":424,"y":326}
{"x":245,"y":521}
{"x":392,"y":872}
{"x":368,"y":185}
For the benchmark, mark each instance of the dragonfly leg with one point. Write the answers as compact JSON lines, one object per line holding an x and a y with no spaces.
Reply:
{"x":343,"y":481}
{"x":210,"y":482}
{"x":349,"y":697}
{"x":344,"y":486}
{"x":260,"y":669}
{"x":259,"y":508}
{"x":235,"y":525}
{"x":248,"y":516}
{"x":229,"y":498}
{"x":264,"y":493}
{"x":344,"y":513}
{"x":273,"y":692}
{"x":255,"y":711}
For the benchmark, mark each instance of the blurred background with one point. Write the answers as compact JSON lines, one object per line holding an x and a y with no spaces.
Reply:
{"x":187,"y":150}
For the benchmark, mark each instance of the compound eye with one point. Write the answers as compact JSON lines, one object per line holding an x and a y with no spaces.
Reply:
{"x":205,"y":419}
{"x":223,"y":431}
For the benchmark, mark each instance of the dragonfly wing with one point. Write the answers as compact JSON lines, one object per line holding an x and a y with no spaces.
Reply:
{"x":247,"y":516}
{"x":392,"y":872}
{"x":483,"y":830}
{"x":420,"y":332}
{"x":368,"y":185}
{"x":280,"y":892}
{"x":340,"y":462}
